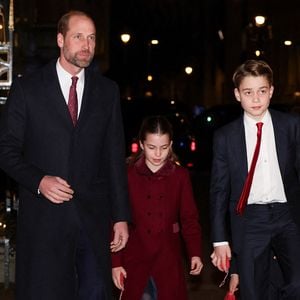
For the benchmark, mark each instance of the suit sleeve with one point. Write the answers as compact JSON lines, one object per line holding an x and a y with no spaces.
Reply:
{"x":219,"y":189}
{"x":189,"y":219}
{"x":12,"y":141}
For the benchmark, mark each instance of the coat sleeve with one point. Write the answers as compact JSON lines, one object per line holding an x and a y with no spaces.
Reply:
{"x":12,"y":135}
{"x":189,"y":219}
{"x":115,"y":161}
{"x":219,"y":189}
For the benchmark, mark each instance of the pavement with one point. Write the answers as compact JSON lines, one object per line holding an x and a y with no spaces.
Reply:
{"x":202,"y":287}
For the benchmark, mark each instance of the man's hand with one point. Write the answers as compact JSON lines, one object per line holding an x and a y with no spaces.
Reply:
{"x":221,"y":257}
{"x":120,"y":236}
{"x":55,"y":189}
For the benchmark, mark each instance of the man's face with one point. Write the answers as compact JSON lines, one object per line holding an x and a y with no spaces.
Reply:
{"x":255,"y":94}
{"x":78,"y":45}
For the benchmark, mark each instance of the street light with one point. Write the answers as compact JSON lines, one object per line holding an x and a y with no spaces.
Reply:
{"x":188,"y":70}
{"x":260,"y":20}
{"x":125,"y":37}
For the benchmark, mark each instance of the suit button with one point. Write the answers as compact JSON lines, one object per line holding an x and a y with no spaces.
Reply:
{"x":149,"y":231}
{"x":148,"y":197}
{"x":148,"y":213}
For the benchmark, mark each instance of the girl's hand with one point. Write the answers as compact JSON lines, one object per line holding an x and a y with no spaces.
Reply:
{"x":118,"y":276}
{"x":196,"y":265}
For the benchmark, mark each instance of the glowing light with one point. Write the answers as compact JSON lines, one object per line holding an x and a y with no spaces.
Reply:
{"x":125,"y":38}
{"x":188,"y":70}
{"x":134,"y":147}
{"x":260,"y":20}
{"x":288,"y":43}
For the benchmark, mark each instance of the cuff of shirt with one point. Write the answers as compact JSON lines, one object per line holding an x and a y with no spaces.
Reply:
{"x":220,"y":243}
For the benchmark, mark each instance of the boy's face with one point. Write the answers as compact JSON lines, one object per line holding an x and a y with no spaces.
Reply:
{"x":255,"y":94}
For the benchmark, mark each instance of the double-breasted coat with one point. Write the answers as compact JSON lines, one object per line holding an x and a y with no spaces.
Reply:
{"x":163,"y":211}
{"x":37,"y":138}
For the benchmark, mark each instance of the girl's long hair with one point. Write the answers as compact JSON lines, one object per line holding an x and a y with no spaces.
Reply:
{"x":153,"y":125}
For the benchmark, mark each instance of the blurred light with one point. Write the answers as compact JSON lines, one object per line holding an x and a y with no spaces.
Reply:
{"x":1,"y":26}
{"x":260,"y":20}
{"x":125,"y":38}
{"x":0,"y":224}
{"x":149,"y":78}
{"x":288,"y":43}
{"x":172,"y":102}
{"x":128,"y":98}
{"x":4,"y":226}
{"x":221,"y":35}
{"x":257,"y":53}
{"x":148,"y":94}
{"x":190,"y":165}
{"x":134,"y":147}
{"x":193,"y":146}
{"x":188,"y":70}
{"x":297,"y":94}
{"x":154,"y":42}
{"x":209,"y":119}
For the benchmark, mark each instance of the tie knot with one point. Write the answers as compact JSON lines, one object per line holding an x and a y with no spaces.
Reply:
{"x":259,"y":126}
{"x":74,"y":80}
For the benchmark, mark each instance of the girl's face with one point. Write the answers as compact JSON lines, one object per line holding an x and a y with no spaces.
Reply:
{"x":156,"y":150}
{"x":254,"y":93}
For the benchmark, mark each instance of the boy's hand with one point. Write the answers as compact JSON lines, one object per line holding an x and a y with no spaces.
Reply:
{"x":221,"y":257}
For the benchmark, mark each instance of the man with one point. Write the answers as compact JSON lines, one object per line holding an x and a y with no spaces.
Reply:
{"x":71,"y":171}
{"x":263,"y":205}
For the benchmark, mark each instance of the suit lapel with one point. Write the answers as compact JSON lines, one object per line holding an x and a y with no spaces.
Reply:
{"x":54,"y":94}
{"x":239,"y":151}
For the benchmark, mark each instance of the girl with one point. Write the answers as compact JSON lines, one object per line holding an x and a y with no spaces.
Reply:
{"x":163,"y":209}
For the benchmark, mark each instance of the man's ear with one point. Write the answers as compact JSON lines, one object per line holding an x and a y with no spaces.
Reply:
{"x":237,"y":94}
{"x":60,"y":40}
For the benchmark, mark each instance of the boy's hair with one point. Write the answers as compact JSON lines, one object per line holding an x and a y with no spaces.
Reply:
{"x":254,"y":68}
{"x":63,"y":23}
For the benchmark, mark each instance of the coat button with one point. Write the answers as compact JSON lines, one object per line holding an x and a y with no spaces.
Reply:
{"x":149,"y":231}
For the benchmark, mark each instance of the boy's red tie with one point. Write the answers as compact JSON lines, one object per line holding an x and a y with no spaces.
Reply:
{"x":246,"y":189}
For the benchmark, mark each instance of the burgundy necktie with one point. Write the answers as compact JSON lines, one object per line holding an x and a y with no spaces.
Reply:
{"x":73,"y":101}
{"x":246,"y":189}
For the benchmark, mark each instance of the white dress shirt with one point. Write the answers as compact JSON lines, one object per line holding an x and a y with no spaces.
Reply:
{"x":267,"y":185}
{"x":65,"y":81}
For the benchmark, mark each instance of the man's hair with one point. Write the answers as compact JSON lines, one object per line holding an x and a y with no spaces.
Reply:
{"x":63,"y":23}
{"x":254,"y":68}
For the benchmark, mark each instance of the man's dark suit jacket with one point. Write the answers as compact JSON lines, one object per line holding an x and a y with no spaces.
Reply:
{"x":229,"y":171}
{"x":37,"y":138}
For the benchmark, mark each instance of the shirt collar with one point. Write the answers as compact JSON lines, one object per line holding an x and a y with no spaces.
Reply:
{"x":249,"y":122}
{"x":62,"y":73}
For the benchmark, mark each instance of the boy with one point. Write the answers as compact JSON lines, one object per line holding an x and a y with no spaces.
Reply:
{"x":263,"y":205}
